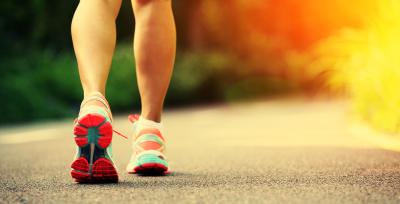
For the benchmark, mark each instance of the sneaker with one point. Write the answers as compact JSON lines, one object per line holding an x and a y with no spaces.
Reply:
{"x":93,"y":132}
{"x":148,"y":148}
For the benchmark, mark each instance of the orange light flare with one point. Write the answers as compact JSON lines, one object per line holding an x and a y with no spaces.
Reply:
{"x":263,"y":32}
{"x":292,"y":23}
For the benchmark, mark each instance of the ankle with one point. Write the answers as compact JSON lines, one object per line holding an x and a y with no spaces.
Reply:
{"x":156,"y":117}
{"x":100,"y":101}
{"x":142,"y":123}
{"x":87,"y":93}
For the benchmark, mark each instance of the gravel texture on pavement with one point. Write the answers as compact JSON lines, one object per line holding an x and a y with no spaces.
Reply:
{"x":260,"y":152}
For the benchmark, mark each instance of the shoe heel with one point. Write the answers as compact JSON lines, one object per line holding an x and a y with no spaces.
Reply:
{"x":151,"y":164}
{"x":93,"y":134}
{"x":93,"y":128}
{"x":104,"y":170}
{"x":80,"y":169}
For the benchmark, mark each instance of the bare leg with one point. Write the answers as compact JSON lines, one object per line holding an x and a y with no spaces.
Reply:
{"x":154,"y":47}
{"x":94,"y":37}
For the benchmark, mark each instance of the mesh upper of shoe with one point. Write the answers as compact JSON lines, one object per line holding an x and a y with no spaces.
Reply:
{"x":95,"y":103}
{"x":150,"y":145}
{"x":147,"y":138}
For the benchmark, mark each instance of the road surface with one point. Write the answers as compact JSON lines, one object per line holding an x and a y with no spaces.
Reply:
{"x":276,"y":151}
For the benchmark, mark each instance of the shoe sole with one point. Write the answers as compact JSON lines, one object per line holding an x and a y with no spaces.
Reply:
{"x":93,"y":134}
{"x":150,"y":164}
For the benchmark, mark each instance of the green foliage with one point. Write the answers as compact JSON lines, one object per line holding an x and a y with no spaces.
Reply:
{"x":214,"y":76}
{"x":39,"y":86}
{"x":46,"y":84}
{"x":39,"y":24}
{"x":121,"y":91}
{"x":35,"y":23}
{"x":258,"y":87}
{"x":199,"y":77}
{"x":366,"y":65}
{"x":39,"y":75}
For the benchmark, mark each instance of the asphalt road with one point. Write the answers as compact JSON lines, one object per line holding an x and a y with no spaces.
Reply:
{"x":263,"y":152}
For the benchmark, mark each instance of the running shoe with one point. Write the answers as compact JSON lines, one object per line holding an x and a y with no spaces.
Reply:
{"x":148,"y":150}
{"x":93,"y":132}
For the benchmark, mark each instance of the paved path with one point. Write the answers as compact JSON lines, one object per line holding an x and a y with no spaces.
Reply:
{"x":264,"y":152}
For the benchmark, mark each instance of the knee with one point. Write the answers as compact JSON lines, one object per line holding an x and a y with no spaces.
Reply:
{"x":142,"y":3}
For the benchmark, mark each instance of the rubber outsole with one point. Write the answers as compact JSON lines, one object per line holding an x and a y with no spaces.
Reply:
{"x":150,"y":168}
{"x":104,"y":170}
{"x":97,"y":121}
{"x":150,"y":164}
{"x":91,"y":166}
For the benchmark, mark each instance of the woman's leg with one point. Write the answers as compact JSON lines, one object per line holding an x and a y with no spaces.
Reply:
{"x":154,"y":47}
{"x":94,"y":37}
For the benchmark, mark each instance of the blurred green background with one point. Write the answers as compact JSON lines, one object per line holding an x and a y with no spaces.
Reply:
{"x":227,"y":51}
